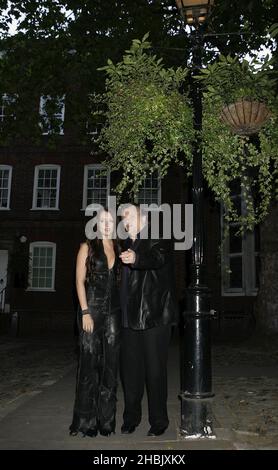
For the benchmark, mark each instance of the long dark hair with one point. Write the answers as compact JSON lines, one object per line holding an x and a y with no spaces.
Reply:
{"x":95,"y":248}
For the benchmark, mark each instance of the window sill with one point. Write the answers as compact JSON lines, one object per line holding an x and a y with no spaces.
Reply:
{"x":44,"y":209}
{"x":94,"y":210}
{"x":61,"y":134}
{"x":37,"y":289}
{"x":239,"y":294}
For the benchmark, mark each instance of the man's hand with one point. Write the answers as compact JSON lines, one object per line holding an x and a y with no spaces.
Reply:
{"x":128,"y":256}
{"x":87,"y":323}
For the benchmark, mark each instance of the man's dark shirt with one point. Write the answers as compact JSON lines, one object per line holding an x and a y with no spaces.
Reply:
{"x":124,"y":287}
{"x":124,"y":281}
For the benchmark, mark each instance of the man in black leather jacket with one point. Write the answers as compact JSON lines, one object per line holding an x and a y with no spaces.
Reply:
{"x":149,"y":309}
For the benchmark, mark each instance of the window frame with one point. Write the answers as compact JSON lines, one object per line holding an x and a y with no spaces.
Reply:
{"x":10,"y":168}
{"x":10,"y":98}
{"x":44,"y":115}
{"x":248,"y":259}
{"x":96,"y":166}
{"x":99,"y":124}
{"x":35,"y":187}
{"x":158,"y":193}
{"x":43,"y":244}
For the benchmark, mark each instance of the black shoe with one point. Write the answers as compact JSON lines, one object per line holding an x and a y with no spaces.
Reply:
{"x":156,"y":431}
{"x":127,"y":428}
{"x":106,"y":432}
{"x":91,"y":432}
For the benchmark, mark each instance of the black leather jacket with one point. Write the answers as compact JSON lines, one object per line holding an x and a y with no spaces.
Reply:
{"x":149,"y":294}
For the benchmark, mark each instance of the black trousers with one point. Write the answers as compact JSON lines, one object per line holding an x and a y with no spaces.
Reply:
{"x":143,"y":360}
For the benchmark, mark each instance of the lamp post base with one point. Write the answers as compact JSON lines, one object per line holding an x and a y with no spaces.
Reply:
{"x":196,"y":418}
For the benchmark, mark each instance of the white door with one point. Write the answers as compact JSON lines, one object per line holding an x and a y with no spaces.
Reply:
{"x":3,"y":277}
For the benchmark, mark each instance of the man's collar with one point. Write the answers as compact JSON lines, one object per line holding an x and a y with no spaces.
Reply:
{"x":141,"y":233}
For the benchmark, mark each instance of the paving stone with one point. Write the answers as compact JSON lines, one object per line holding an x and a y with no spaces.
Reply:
{"x":38,"y":384}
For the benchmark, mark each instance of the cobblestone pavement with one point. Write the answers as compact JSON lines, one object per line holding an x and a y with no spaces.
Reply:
{"x":27,"y":364}
{"x":245,"y":380}
{"x":255,"y":351}
{"x":249,"y":407}
{"x":246,"y":390}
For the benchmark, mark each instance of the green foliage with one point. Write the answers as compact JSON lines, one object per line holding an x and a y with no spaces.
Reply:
{"x":273,"y":30}
{"x":149,"y":125}
{"x":28,"y":70}
{"x":230,"y":79}
{"x":228,"y":156}
{"x":60,"y":44}
{"x":149,"y":122}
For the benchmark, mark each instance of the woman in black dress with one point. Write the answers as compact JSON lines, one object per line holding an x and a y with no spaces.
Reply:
{"x":99,"y":332}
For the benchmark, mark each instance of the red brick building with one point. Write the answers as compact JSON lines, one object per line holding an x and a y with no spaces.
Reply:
{"x":43,"y":196}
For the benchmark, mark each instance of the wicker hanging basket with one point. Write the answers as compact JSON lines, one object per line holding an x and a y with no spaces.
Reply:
{"x":245,"y":117}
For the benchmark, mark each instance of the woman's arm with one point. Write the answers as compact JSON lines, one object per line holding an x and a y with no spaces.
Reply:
{"x":87,"y":321}
{"x":81,"y":275}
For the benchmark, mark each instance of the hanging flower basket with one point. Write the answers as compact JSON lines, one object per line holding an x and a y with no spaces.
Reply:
{"x":245,"y":117}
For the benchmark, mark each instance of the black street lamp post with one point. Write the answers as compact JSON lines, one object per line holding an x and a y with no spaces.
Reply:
{"x":196,"y":374}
